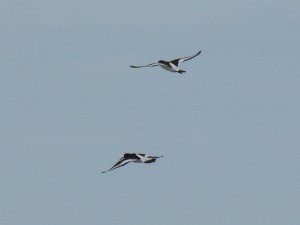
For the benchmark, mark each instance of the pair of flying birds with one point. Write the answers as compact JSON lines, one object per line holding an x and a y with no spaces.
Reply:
{"x":143,"y":158}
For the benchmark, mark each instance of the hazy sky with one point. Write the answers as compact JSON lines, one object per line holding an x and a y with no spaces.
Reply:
{"x":70,"y":106}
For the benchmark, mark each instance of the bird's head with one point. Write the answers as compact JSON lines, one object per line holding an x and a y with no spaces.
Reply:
{"x":162,"y":62}
{"x":155,"y":157}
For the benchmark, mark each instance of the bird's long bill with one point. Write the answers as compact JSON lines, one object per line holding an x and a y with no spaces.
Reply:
{"x":156,"y":157}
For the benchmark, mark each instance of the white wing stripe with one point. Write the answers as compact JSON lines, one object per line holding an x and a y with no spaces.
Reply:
{"x":148,"y":65}
{"x":189,"y":57}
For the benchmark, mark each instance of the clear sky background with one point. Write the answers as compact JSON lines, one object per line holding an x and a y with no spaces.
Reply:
{"x":70,"y":106}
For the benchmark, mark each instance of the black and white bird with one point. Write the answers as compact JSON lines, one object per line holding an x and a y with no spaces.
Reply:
{"x":170,"y":65}
{"x":133,"y":157}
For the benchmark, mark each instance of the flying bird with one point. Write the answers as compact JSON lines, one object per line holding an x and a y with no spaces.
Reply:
{"x":133,"y":157}
{"x":170,"y":65}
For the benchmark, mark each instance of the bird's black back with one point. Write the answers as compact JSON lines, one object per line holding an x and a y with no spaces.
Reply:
{"x":131,"y":156}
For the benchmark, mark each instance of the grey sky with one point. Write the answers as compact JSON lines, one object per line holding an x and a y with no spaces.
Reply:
{"x":70,"y":106}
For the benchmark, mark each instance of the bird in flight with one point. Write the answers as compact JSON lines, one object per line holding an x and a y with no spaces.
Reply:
{"x":170,"y":65}
{"x":133,"y":157}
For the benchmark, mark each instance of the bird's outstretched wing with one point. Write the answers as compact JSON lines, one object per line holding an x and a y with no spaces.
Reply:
{"x":121,"y":162}
{"x":176,"y":62}
{"x":148,"y":65}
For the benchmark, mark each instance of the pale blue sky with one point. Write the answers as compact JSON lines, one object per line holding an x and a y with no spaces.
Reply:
{"x":70,"y":106}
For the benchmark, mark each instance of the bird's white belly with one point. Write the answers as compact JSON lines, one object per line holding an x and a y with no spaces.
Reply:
{"x":171,"y":69}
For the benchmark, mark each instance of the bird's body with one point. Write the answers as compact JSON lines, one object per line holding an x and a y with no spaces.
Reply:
{"x":172,"y":65}
{"x":133,"y":157}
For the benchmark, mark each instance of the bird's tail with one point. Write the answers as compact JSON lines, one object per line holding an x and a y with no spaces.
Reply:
{"x":181,"y":71}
